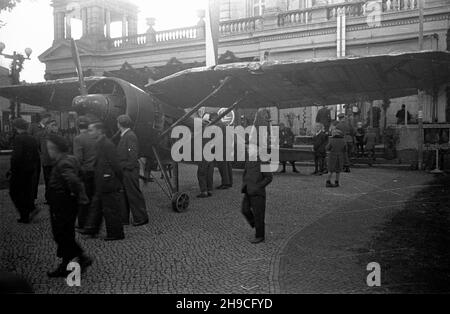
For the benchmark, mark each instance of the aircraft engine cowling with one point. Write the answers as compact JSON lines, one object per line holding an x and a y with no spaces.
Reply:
{"x":110,"y":97}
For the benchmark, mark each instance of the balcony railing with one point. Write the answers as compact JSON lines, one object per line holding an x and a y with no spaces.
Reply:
{"x":248,"y":25}
{"x":295,"y":17}
{"x":399,"y":5}
{"x":350,"y":9}
{"x":160,"y":37}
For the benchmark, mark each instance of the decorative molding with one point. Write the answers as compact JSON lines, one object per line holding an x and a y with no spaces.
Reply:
{"x":329,"y":30}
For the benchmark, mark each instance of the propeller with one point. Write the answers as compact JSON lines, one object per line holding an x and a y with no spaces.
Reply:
{"x":76,"y":60}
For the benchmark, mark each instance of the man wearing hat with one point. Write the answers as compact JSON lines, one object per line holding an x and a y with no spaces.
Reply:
{"x":128,"y":153}
{"x":24,"y":162}
{"x":84,"y":149}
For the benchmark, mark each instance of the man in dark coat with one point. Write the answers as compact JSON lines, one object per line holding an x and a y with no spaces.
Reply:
{"x":400,"y":115}
{"x":253,"y":207}
{"x":65,"y":193}
{"x":320,"y":140}
{"x":324,"y":116}
{"x":51,"y":128}
{"x":37,"y":130}
{"x":24,"y":162}
{"x":128,"y":153}
{"x":108,"y":183}
{"x":287,"y":141}
{"x":85,"y":151}
{"x":344,"y":125}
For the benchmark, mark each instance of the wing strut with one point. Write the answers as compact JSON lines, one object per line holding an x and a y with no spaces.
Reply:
{"x":229,"y":109}
{"x":195,"y":108}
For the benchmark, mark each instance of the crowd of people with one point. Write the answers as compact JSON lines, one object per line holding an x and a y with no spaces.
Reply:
{"x":99,"y":181}
{"x":94,"y":178}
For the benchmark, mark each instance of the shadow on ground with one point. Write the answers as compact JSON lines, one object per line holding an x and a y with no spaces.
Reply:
{"x":413,"y":247}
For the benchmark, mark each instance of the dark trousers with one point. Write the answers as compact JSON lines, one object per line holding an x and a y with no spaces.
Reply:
{"x":319,"y":163}
{"x":63,"y":214}
{"x":283,"y":163}
{"x":205,"y":175}
{"x":89,"y":185}
{"x":254,"y":208}
{"x":226,"y":172}
{"x":134,"y":197}
{"x":47,"y":170}
{"x":107,"y":205}
{"x":35,"y":180}
{"x":21,"y":192}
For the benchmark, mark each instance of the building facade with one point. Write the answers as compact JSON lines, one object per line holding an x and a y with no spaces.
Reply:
{"x":256,"y":29}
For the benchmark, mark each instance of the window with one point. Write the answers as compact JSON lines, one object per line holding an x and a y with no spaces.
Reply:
{"x":257,"y":7}
{"x":299,"y":4}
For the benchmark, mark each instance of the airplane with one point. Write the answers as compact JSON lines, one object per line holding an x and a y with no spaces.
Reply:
{"x":174,"y":100}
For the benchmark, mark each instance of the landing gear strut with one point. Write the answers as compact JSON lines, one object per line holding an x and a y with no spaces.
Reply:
{"x":180,"y":200}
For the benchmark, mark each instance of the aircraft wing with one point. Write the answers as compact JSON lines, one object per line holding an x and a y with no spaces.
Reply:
{"x":310,"y":82}
{"x":57,"y":94}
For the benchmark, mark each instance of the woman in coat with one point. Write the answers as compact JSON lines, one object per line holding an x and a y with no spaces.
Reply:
{"x":337,"y":148}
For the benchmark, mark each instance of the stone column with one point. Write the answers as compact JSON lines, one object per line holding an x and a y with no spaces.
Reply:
{"x":108,"y":23}
{"x":68,"y":27}
{"x":58,"y":24}
{"x":96,"y":22}
{"x":124,"y":26}
{"x":84,"y":21}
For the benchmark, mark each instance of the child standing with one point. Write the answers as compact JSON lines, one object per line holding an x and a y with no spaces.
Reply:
{"x":254,"y":184}
{"x":337,"y":149}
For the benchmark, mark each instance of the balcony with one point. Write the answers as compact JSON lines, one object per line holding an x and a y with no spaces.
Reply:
{"x":259,"y":24}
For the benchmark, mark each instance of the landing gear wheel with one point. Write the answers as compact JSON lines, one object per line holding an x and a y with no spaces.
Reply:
{"x":180,"y":202}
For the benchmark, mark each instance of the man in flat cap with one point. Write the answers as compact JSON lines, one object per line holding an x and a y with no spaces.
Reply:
{"x":24,"y":162}
{"x":128,"y":152}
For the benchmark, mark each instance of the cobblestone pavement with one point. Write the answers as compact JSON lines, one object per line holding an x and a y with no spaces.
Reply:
{"x":206,"y":249}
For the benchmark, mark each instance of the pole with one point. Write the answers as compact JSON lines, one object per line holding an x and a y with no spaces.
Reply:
{"x":420,"y":139}
{"x":420,"y":24}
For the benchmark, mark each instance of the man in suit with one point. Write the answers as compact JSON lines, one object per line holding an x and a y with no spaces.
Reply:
{"x":224,"y":166}
{"x":128,"y":153}
{"x":324,"y":116}
{"x":37,"y":130}
{"x":24,"y":161}
{"x":287,"y":138}
{"x":85,"y":151}
{"x":65,"y":192}
{"x":51,"y":128}
{"x":348,"y":131}
{"x":108,"y":183}
{"x":254,"y":184}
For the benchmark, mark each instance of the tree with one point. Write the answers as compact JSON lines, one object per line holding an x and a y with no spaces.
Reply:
{"x":7,"y":5}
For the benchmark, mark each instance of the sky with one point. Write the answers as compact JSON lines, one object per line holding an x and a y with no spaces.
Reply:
{"x":30,"y":24}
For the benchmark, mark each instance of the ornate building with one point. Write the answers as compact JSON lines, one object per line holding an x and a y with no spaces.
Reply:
{"x":254,"y":29}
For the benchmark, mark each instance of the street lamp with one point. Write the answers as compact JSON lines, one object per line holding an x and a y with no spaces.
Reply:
{"x":16,"y":68}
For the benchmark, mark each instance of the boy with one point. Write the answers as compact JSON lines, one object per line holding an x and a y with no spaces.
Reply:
{"x":65,"y":193}
{"x":254,"y":184}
